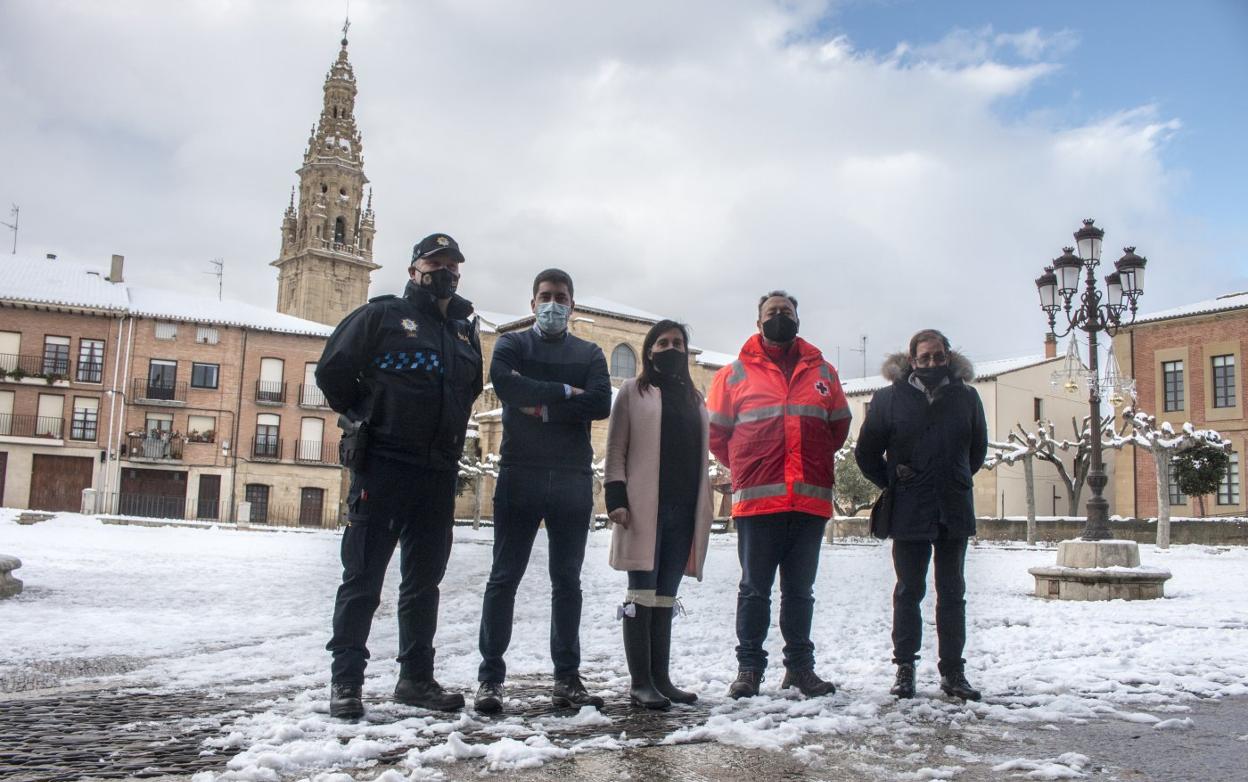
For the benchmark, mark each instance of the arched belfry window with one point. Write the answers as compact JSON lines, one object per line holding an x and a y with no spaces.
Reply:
{"x":340,"y":231}
{"x":623,"y":362}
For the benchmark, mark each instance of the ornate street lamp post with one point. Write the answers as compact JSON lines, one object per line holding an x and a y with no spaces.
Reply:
{"x":1092,"y":314}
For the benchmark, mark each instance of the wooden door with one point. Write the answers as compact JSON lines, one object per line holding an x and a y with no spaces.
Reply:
{"x":311,"y":506}
{"x":159,"y":494}
{"x":56,"y":482}
{"x":209,"y":504}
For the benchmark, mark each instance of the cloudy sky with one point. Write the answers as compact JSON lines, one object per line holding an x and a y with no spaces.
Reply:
{"x":896,"y":164}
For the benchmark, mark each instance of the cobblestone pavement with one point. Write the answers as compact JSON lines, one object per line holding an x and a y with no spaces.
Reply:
{"x":75,"y":734}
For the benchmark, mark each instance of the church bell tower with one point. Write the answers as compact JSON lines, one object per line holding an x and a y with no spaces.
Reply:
{"x":326,"y":259}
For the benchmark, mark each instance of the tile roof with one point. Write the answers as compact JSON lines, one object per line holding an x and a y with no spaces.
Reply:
{"x":1229,"y":301}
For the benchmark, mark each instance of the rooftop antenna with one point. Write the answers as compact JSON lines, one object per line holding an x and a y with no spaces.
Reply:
{"x":218,"y":266}
{"x":863,"y":350}
{"x":15,"y":211}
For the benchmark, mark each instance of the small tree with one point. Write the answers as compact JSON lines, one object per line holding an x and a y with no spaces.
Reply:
{"x":1141,"y":430}
{"x":1199,"y":470}
{"x":853,"y":492}
{"x":1021,"y":446}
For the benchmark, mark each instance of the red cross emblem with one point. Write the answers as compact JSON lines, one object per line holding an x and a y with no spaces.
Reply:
{"x":822,"y":388}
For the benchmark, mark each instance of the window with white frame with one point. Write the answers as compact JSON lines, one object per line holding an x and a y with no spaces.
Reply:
{"x":207,"y":335}
{"x":56,"y":356}
{"x":201,"y":429}
{"x":623,"y":362}
{"x":90,"y":361}
{"x":50,"y":421}
{"x":166,"y":330}
{"x":86,"y":414}
{"x":6,"y":412}
{"x":1228,"y":490}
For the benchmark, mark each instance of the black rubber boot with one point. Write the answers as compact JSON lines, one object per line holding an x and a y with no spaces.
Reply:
{"x":346,"y":701}
{"x":637,"y":652}
{"x":903,"y":685}
{"x":953,"y":683}
{"x":661,"y":656}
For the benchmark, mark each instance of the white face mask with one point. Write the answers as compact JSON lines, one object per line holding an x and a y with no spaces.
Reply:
{"x":552,"y":317}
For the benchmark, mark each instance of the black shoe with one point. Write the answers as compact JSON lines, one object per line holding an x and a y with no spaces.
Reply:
{"x":637,"y":652}
{"x":954,"y":684}
{"x":903,"y":685}
{"x":489,"y":698}
{"x":746,"y":684}
{"x":345,"y":701}
{"x":569,"y":692}
{"x":427,"y":695}
{"x":808,"y":682}
{"x":661,"y":656}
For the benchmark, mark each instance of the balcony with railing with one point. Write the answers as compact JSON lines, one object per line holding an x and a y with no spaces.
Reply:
{"x":158,"y":446}
{"x":315,"y":452}
{"x":270,"y":392}
{"x":266,"y":448}
{"x":311,"y":396}
{"x":159,"y":392}
{"x":31,"y":426}
{"x":51,"y":368}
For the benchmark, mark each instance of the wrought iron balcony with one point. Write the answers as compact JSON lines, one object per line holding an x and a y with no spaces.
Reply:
{"x":158,"y":391}
{"x":315,"y":451}
{"x":160,"y":445}
{"x":267,"y":448}
{"x":270,"y":392}
{"x":311,"y":396}
{"x":31,"y":426}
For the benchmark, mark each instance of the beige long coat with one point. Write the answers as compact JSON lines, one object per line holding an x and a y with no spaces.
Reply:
{"x":633,"y":456}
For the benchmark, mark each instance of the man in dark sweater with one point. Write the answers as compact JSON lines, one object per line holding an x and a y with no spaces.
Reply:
{"x":552,"y":386}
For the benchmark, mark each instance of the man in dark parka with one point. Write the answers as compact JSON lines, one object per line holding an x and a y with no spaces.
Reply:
{"x":924,"y":437}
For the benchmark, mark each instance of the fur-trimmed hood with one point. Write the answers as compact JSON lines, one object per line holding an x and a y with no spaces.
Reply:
{"x":897,"y":367}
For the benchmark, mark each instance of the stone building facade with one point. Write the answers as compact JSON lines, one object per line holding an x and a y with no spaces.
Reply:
{"x":326,"y":258}
{"x":1188,"y":365}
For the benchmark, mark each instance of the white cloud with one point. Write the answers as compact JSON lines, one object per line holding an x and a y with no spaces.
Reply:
{"x":681,"y":157}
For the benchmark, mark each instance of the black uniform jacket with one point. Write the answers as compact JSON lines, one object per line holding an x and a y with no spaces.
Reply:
{"x":943,"y":441}
{"x":409,"y":372}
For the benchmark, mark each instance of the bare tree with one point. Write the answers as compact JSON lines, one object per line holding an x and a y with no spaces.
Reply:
{"x":1141,"y":430}
{"x":1020,"y":446}
{"x":474,"y":470}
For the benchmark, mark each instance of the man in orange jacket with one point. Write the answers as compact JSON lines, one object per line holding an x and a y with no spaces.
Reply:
{"x":778,"y":417}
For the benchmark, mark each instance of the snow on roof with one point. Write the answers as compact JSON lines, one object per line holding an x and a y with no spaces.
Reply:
{"x":609,"y":307}
{"x":711,"y":358}
{"x":1229,"y":301}
{"x":61,"y":283}
{"x":984,"y":370}
{"x":490,"y":321}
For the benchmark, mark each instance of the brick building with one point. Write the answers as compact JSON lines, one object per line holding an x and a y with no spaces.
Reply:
{"x":1188,"y":367}
{"x":166,"y":404}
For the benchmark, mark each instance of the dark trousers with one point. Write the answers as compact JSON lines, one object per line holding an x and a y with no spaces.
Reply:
{"x":910,"y":558}
{"x":791,"y":543}
{"x":673,"y":537}
{"x":392,"y":503}
{"x":523,"y":497}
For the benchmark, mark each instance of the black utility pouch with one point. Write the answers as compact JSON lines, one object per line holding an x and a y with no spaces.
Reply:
{"x":353,"y":448}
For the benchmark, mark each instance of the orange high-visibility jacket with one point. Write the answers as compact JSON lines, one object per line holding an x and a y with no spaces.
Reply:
{"x":778,"y":437}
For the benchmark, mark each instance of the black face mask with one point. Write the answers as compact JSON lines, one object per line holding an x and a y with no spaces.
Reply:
{"x":441,"y":283}
{"x":780,"y":328}
{"x":671,"y":363}
{"x":931,"y":377}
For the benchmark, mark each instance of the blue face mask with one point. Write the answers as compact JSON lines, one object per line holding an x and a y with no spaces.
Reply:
{"x":552,"y":317}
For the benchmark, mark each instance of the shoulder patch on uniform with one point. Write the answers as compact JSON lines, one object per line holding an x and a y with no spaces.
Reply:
{"x":383,"y":297}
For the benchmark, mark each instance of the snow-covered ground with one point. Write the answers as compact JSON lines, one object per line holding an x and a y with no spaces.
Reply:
{"x":244,"y":612}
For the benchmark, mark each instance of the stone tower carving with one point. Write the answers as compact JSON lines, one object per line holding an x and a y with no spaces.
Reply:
{"x":326,"y":260}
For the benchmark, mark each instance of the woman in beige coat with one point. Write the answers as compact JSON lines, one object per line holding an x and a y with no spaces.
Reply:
{"x":659,"y":501}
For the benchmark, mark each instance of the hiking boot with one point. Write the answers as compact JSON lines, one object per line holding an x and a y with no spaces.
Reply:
{"x":569,"y":693}
{"x":345,"y":701}
{"x":954,"y":684}
{"x":808,"y":682}
{"x":427,"y":695}
{"x":746,"y":684}
{"x":489,"y":698}
{"x":903,"y":685}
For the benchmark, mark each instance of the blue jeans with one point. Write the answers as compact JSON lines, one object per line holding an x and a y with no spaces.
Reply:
{"x":523,"y":497}
{"x":673,"y":537}
{"x":789,"y":542}
{"x":392,"y":503}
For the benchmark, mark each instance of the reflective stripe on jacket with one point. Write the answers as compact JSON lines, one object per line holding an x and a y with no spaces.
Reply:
{"x":778,"y":437}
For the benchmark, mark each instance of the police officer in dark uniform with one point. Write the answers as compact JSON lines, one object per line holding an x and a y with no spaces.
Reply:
{"x":403,"y":373}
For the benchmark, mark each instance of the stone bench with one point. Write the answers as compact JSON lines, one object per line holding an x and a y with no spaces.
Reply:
{"x":9,"y":585}
{"x":33,"y":517}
